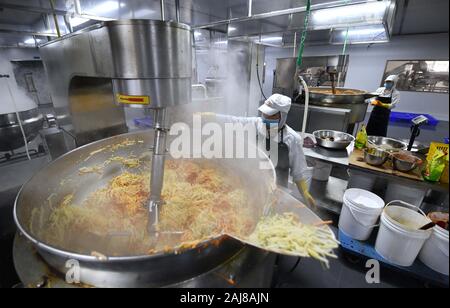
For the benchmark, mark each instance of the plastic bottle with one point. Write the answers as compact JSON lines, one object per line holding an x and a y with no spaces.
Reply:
{"x":361,"y":138}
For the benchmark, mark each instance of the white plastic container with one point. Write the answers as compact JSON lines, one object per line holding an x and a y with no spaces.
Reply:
{"x":322,"y":171}
{"x":434,"y":253}
{"x":399,"y":240}
{"x":361,"y":180}
{"x":360,"y":212}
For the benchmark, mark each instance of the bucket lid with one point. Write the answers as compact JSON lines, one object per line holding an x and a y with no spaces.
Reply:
{"x":364,"y":199}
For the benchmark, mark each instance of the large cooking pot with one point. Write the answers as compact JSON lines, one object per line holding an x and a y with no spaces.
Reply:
{"x":352,"y":99}
{"x":11,"y":137}
{"x":324,"y":96}
{"x":61,"y":178}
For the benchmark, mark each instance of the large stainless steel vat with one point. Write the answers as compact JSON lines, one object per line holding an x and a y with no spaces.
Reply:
{"x":151,"y":58}
{"x":356,"y":101}
{"x":62,"y":177}
{"x":11,"y":137}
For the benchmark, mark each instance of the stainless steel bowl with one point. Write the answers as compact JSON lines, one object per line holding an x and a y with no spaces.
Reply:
{"x":405,"y":165}
{"x":386,"y":144}
{"x":375,"y":157}
{"x":331,"y":139}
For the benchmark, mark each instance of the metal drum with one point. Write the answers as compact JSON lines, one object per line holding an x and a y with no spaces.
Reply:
{"x":354,"y":100}
{"x":11,"y":137}
{"x":62,"y":177}
{"x":151,"y":58}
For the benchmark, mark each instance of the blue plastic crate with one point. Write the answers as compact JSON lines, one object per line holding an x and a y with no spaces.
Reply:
{"x":146,"y":122}
{"x":404,"y":117}
{"x":367,"y":250}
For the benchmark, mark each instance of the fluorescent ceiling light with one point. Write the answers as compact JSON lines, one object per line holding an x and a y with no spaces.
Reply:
{"x":364,"y":32}
{"x":102,"y":9}
{"x":78,"y":21}
{"x":350,"y":13}
{"x":106,"y":7}
{"x":197,"y":34}
{"x":221,"y":43}
{"x":231,"y":28}
{"x":275,"y":39}
{"x":32,"y":41}
{"x":144,"y":13}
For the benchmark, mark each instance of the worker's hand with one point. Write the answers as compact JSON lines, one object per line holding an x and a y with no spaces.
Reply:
{"x":380,"y":104}
{"x":303,"y":188}
{"x":376,"y":103}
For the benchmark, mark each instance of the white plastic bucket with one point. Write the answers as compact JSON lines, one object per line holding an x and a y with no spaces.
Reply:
{"x":360,"y":212}
{"x":322,"y":171}
{"x":434,"y":253}
{"x":399,"y":240}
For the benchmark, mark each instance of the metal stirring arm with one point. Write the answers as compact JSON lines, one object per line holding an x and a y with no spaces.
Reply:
{"x":157,"y":173}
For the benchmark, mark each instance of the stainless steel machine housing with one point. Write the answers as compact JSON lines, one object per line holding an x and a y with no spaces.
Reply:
{"x":89,"y":68}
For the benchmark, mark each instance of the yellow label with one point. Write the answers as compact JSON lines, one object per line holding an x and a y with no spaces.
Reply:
{"x":443,"y":147}
{"x":436,"y":146}
{"x":133,"y":100}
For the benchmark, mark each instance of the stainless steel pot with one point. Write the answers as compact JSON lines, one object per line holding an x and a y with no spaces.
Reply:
{"x":61,"y":178}
{"x":11,"y":137}
{"x":355,"y":102}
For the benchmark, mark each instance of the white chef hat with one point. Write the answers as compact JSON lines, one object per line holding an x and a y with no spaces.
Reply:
{"x":276,"y":103}
{"x":392,"y":78}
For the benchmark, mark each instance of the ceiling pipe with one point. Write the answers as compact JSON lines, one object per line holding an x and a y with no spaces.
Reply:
{"x":177,"y":10}
{"x":30,"y":33}
{"x":250,"y":8}
{"x":55,"y":18}
{"x":163,"y":10}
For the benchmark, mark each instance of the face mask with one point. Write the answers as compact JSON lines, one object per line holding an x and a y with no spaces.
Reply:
{"x":271,"y":122}
{"x":388,"y":85}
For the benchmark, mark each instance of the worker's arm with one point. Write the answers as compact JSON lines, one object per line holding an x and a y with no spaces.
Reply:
{"x":302,"y":186}
{"x":232,"y":119}
{"x":392,"y":105}
{"x":211,"y":116}
{"x":299,"y":168}
{"x":395,"y":99}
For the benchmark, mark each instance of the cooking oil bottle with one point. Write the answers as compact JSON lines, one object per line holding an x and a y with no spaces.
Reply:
{"x":361,"y":138}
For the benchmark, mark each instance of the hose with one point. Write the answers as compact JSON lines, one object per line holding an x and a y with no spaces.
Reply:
{"x":344,"y":49}
{"x":259,"y":81}
{"x":305,"y":114}
{"x":259,"y":78}
{"x":304,"y":34}
{"x":299,"y":64}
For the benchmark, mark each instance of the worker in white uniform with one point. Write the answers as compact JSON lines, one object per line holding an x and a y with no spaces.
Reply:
{"x":386,"y":99}
{"x":272,"y":126}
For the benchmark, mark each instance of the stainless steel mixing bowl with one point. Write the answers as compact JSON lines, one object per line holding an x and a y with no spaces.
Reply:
{"x":386,"y":144}
{"x":331,"y":139}
{"x":375,"y":157}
